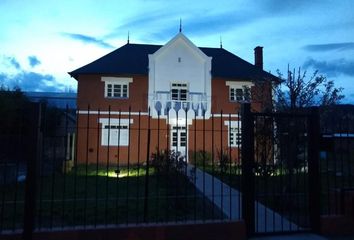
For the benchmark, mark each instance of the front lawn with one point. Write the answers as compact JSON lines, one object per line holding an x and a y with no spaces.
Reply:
{"x":95,"y":196}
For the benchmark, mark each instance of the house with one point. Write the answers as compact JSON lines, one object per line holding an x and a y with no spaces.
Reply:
{"x":188,"y":96}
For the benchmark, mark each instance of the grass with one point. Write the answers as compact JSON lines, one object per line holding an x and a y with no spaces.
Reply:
{"x":280,"y":190}
{"x":90,"y":196}
{"x":288,"y":192}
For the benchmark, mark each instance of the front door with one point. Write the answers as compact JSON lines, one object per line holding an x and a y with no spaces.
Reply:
{"x":179,"y":140}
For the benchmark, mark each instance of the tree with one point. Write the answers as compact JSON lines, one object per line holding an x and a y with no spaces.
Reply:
{"x":296,"y":91}
{"x":12,"y":105}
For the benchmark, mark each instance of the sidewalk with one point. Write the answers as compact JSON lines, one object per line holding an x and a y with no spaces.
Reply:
{"x":229,"y":201}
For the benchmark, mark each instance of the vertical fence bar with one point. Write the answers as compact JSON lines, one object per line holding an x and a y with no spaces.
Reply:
{"x":239,"y":174}
{"x":204,"y":187}
{"x":87,"y":162}
{"x":118,"y":165}
{"x":248,"y":195}
{"x":42,"y":168}
{"x":195,"y":166}
{"x":97,"y":163}
{"x":221,"y":164}
{"x":52,"y":187}
{"x":64,"y":166}
{"x":212,"y":166}
{"x":230,"y":166}
{"x":313,"y":162}
{"x":128,"y":165}
{"x":157,"y":174}
{"x":187,"y":199}
{"x":138,"y":174}
{"x":14,"y":219}
{"x":168,"y":151}
{"x":107,"y":164}
{"x":147,"y":170}
{"x":33,"y":157}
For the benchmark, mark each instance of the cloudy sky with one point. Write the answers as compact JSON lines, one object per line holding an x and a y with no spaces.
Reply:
{"x":42,"y":40}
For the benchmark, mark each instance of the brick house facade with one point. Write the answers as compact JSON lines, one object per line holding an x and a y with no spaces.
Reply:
{"x":188,"y":96}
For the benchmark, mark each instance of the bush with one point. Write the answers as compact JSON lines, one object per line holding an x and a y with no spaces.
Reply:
{"x":167,"y":161}
{"x":199,"y":157}
{"x":224,"y":160}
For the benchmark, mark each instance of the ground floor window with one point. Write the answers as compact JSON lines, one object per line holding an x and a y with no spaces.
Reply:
{"x":179,"y":136}
{"x":115,"y":132}
{"x":234,"y":137}
{"x":234,"y":133}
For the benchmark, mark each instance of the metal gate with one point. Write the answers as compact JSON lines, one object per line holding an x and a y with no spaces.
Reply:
{"x":280,"y":173}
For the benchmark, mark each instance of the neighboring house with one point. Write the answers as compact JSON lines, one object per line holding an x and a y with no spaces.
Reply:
{"x":180,"y":90}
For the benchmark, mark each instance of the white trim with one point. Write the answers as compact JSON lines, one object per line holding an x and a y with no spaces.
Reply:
{"x":122,"y":121}
{"x":111,"y":113}
{"x":225,"y":115}
{"x":180,"y":122}
{"x":239,"y":84}
{"x":122,"y":80}
{"x":234,"y":124}
{"x":85,"y":112}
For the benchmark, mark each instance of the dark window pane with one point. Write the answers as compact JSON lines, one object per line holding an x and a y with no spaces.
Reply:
{"x":239,"y":94}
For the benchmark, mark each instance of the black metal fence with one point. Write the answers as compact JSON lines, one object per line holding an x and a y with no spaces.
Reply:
{"x":63,"y":169}
{"x":337,"y":162}
{"x":279,"y":163}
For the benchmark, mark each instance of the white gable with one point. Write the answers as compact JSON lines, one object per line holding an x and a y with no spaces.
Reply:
{"x":183,"y":62}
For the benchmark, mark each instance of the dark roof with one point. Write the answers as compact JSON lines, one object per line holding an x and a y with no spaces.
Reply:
{"x":133,"y":59}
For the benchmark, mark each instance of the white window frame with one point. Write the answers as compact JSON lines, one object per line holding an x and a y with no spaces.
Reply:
{"x":179,"y":86}
{"x":115,"y":132}
{"x":235,"y":87}
{"x":116,"y":82}
{"x":234,"y":130}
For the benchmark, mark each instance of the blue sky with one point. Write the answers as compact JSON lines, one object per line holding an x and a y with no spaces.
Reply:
{"x":42,"y":40}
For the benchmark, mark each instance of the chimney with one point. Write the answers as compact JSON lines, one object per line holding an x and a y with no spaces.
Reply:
{"x":258,"y":57}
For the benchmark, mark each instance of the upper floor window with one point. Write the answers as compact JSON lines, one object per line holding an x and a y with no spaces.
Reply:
{"x":116,"y":87}
{"x":179,"y":91}
{"x":239,"y":94}
{"x":239,"y":91}
{"x":117,"y":90}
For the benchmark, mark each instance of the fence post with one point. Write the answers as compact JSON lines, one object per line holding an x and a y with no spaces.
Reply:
{"x":313,"y":169}
{"x":247,"y":158}
{"x":33,"y":154}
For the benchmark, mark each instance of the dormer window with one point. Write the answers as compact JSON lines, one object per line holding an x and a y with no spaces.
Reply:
{"x":116,"y":87}
{"x":179,"y":91}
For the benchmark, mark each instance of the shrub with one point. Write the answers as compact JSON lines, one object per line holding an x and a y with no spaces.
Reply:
{"x":224,"y":160}
{"x":199,"y":157}
{"x":167,"y":161}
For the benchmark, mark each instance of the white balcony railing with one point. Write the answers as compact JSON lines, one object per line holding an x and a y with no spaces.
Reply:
{"x":162,"y":103}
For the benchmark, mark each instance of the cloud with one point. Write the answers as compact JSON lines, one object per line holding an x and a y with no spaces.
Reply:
{"x":31,"y":81}
{"x":141,"y":23}
{"x":329,"y":47}
{"x":28,"y":80}
{"x":289,"y":6}
{"x":88,"y":39}
{"x":331,"y":68}
{"x":12,"y":61}
{"x":33,"y":61}
{"x":200,"y":24}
